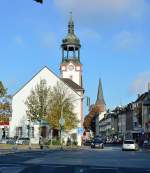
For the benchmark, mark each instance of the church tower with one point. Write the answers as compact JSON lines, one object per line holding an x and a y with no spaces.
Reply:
{"x":70,"y":67}
{"x":100,"y":103}
{"x":100,"y":98}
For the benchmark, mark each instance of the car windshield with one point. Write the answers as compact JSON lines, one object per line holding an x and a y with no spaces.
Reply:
{"x":128,"y":142}
{"x":97,"y":141}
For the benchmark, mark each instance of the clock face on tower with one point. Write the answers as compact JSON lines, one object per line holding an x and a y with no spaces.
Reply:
{"x":71,"y":67}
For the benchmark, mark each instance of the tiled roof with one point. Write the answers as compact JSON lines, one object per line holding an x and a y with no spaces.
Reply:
{"x":141,"y":97}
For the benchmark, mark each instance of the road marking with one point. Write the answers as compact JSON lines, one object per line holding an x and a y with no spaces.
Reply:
{"x":9,"y":164}
{"x":55,"y":166}
{"x":105,"y":168}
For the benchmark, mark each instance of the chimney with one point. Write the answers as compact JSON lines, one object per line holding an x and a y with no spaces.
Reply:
{"x":138,"y":95}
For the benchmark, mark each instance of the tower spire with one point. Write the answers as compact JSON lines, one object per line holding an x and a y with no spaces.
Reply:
{"x":71,"y":25}
{"x":100,"y":97}
{"x":71,"y":44}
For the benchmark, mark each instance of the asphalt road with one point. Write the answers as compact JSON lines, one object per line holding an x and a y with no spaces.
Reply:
{"x":86,"y":160}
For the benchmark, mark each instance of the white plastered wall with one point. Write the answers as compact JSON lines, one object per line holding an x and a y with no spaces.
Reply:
{"x":76,"y":75}
{"x":19,"y":117}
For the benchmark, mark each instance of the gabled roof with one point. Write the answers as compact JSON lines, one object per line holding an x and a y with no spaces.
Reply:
{"x":141,"y":97}
{"x":72,"y":84}
{"x":45,"y":67}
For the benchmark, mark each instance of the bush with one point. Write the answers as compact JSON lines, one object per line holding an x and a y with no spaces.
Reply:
{"x":54,"y":142}
{"x":75,"y":143}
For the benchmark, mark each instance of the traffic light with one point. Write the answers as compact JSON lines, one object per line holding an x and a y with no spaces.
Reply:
{"x":40,"y":1}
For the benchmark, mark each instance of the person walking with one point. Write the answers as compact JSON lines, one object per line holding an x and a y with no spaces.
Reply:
{"x":41,"y":142}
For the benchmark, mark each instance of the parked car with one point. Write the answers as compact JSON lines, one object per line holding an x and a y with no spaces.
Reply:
{"x":87,"y":142}
{"x":7,"y":141}
{"x":130,"y":145}
{"x":97,"y":143}
{"x":21,"y":141}
{"x":146,"y":144}
{"x":10,"y":141}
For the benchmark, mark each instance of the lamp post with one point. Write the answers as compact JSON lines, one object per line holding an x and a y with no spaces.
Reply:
{"x":61,"y":122}
{"x":29,"y":131}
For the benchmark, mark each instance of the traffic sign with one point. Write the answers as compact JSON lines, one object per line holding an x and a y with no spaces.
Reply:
{"x":61,"y":121}
{"x":80,"y":131}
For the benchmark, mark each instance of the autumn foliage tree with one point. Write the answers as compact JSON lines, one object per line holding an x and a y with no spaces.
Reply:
{"x":5,"y":105}
{"x":88,"y":119}
{"x":59,"y":98}
{"x":38,"y":101}
{"x":3,"y":90}
{"x":46,"y":103}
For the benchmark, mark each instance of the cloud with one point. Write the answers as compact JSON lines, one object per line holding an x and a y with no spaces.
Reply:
{"x":104,"y":10}
{"x":126,"y":40}
{"x":18,"y":40}
{"x":140,"y":83}
{"x":48,"y":39}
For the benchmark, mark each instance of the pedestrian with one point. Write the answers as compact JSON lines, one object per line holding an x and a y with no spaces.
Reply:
{"x":68,"y":141}
{"x":41,"y":142}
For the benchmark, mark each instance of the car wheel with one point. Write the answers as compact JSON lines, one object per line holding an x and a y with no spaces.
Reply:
{"x":102,"y":147}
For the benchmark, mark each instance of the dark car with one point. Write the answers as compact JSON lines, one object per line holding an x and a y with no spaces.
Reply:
{"x":97,"y":143}
{"x":87,"y":142}
{"x":146,"y":144}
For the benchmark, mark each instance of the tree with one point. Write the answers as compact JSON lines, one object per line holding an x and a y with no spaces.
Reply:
{"x":3,"y":90}
{"x":46,"y":103}
{"x":5,"y":105}
{"x":37,"y":102}
{"x":60,"y":99}
{"x":92,"y":114}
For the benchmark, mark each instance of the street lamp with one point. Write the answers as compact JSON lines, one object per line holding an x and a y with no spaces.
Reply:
{"x":61,"y":122}
{"x":29,"y":131}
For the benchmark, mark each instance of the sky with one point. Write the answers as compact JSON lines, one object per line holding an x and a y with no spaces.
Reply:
{"x":114,"y":35}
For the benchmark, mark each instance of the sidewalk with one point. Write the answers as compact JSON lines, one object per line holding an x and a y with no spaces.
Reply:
{"x":7,"y":148}
{"x":146,"y":149}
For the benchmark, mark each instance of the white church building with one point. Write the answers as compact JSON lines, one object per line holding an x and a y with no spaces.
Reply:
{"x":71,"y":78}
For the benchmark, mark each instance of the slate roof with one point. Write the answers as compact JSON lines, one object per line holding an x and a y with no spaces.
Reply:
{"x":100,"y":97}
{"x":72,"y":84}
{"x":141,"y":97}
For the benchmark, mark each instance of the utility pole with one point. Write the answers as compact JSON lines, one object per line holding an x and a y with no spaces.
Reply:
{"x":29,"y":132}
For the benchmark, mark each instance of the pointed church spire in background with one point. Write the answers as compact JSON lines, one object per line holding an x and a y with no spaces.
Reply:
{"x":71,"y":25}
{"x":100,"y":97}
